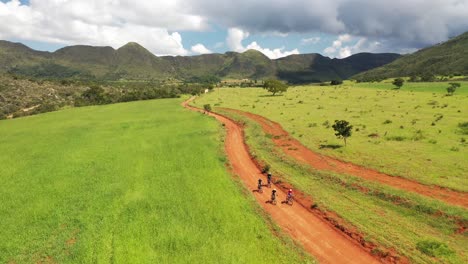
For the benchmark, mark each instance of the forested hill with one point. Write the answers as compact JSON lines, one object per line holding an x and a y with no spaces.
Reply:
{"x":448,"y":58}
{"x":133,"y":61}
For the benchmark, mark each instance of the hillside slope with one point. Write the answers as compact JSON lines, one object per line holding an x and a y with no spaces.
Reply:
{"x":132,"y":61}
{"x":447,"y":58}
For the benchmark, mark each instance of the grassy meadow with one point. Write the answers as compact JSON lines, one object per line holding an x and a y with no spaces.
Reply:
{"x":141,"y":182}
{"x":423,"y":230}
{"x":412,"y":132}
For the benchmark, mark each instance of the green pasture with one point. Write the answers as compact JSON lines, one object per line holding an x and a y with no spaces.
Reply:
{"x":412,"y":132}
{"x":141,"y":182}
{"x":432,"y":87}
{"x":390,"y":218}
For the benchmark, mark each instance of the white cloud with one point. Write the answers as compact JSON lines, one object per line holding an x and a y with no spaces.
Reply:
{"x":103,"y":23}
{"x":236,"y":36}
{"x":307,"y":41}
{"x":272,"y":53}
{"x":399,"y":25}
{"x":200,"y":49}
{"x":342,"y":47}
{"x":234,"y":39}
{"x":337,"y":49}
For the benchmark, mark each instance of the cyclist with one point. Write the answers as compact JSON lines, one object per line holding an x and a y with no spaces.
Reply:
{"x":269,"y":179}
{"x":290,"y":194}
{"x":259,"y":184}
{"x":273,"y":195}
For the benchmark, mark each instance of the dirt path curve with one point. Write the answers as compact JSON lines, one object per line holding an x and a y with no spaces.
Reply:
{"x":295,"y":149}
{"x":325,"y":243}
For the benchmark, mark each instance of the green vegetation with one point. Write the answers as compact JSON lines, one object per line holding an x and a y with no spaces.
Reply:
{"x":452,"y":88}
{"x":390,"y":218}
{"x":275,"y":86}
{"x":134,"y":62}
{"x":342,"y":129}
{"x":207,"y":107}
{"x":141,"y":182}
{"x":21,"y":97}
{"x":398,"y":82}
{"x":447,"y":59}
{"x":421,"y":140}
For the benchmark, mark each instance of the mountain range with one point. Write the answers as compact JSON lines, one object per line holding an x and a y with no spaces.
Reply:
{"x":132,"y":61}
{"x":447,"y":58}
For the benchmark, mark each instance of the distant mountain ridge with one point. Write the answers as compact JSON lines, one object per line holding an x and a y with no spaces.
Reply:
{"x":132,"y":61}
{"x":447,"y":58}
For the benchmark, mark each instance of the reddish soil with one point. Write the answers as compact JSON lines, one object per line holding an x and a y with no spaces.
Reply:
{"x":296,"y":150}
{"x":320,"y":237}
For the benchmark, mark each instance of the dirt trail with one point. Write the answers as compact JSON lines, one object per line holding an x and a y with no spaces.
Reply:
{"x":326,"y":244}
{"x":295,"y":149}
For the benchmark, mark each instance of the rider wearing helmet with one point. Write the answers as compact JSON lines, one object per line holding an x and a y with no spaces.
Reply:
{"x":273,"y":195}
{"x":269,"y":178}
{"x":259,"y":184}
{"x":290,"y":193}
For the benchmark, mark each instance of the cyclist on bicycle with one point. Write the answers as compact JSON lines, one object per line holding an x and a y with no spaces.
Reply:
{"x":269,"y":178}
{"x":273,"y":195}
{"x":259,"y":184}
{"x":290,"y":194}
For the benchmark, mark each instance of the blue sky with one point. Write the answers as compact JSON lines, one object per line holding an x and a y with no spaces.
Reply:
{"x":335,"y":28}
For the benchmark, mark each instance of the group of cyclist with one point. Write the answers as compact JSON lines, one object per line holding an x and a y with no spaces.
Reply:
{"x":273,"y":192}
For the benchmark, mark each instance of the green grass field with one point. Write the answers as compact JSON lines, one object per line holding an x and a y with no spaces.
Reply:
{"x":141,"y":182}
{"x":411,"y":133}
{"x":393,"y":219}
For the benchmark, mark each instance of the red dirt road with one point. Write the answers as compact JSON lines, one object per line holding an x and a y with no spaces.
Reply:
{"x":326,"y":244}
{"x":295,"y":149}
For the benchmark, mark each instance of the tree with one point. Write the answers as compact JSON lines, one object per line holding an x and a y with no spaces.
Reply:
{"x":336,"y":82}
{"x":342,"y":129}
{"x":275,"y":86}
{"x":427,"y":77}
{"x":398,"y":82}
{"x":207,"y":107}
{"x":452,"y":88}
{"x":94,"y":95}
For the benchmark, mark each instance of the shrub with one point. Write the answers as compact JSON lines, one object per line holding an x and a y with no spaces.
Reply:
{"x":396,"y":138}
{"x":434,"y":248}
{"x":387,"y":122}
{"x":463,"y":127}
{"x":207,"y":107}
{"x":266,"y":168}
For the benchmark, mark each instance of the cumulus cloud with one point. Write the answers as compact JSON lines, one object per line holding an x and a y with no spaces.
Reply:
{"x":412,"y":23}
{"x":346,"y":45}
{"x":105,"y":23}
{"x":236,"y":36}
{"x":308,"y":41}
{"x":398,"y":24}
{"x":200,"y":49}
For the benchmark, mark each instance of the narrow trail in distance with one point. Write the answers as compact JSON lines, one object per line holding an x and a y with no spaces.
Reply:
{"x":325,"y":243}
{"x":295,"y":149}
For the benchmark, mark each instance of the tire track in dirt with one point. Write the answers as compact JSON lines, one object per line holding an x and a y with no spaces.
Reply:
{"x":316,"y":235}
{"x":296,"y":150}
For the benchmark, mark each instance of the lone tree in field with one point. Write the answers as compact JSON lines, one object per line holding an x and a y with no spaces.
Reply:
{"x":342,"y":129}
{"x":452,"y":88}
{"x":398,"y":82}
{"x":275,"y":86}
{"x":207,"y":107}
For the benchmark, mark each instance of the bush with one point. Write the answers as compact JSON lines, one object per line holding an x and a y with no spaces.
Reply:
{"x":387,"y":122}
{"x":463,"y":127}
{"x":434,"y":248}
{"x":266,"y":168}
{"x":396,"y":138}
{"x":207,"y":107}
